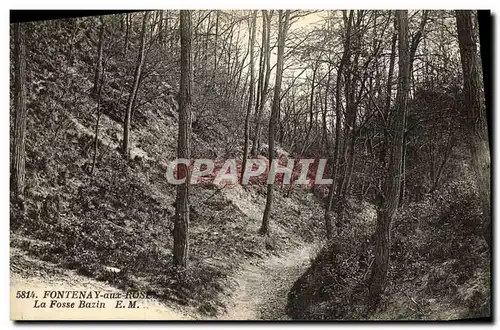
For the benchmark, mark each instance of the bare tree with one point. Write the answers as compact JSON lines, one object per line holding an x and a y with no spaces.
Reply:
{"x":415,"y":41}
{"x":18,"y":150}
{"x":311,"y":107}
{"x":390,"y":198}
{"x":98,"y":97}
{"x":217,"y":15}
{"x":128,"y":22}
{"x":475,"y":123}
{"x":388,"y":93}
{"x":100,"y":50}
{"x":273,"y":122}
{"x":181,"y":224}
{"x":338,"y":125}
{"x":264,"y":75}
{"x":135,"y":86}
{"x":250,"y":94}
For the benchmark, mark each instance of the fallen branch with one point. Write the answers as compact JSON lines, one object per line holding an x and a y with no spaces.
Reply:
{"x":368,"y":269}
{"x":413,"y":300}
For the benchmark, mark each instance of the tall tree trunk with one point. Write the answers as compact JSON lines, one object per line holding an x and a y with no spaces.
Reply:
{"x":229,"y":57}
{"x":100,"y":50}
{"x":475,"y":123}
{"x":338,"y":127}
{"x":217,"y":13}
{"x":181,"y":224}
{"x":388,"y":94}
{"x":18,"y":149}
{"x":347,"y":149}
{"x":273,"y":122}
{"x":237,"y":73}
{"x":96,"y":131}
{"x":324,"y":138}
{"x":260,"y":81}
{"x":311,"y":109}
{"x":415,"y":41}
{"x":161,"y":32}
{"x":402,"y":185}
{"x":99,"y":76}
{"x":263,"y":94}
{"x":250,"y":94}
{"x":135,"y":87}
{"x":389,"y":202}
{"x":205,"y":43}
{"x":127,"y":33}
{"x":345,"y":153}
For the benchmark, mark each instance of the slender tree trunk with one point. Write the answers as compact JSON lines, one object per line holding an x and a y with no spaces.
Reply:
{"x":195,"y":16}
{"x":265,"y":86}
{"x":347,"y":148}
{"x":217,"y":13}
{"x":174,"y":37}
{"x":18,"y":149}
{"x":161,"y":34}
{"x":338,"y":127}
{"x":413,"y":50}
{"x":168,"y":40}
{"x":205,"y":43}
{"x":127,"y":33}
{"x":260,"y":82}
{"x":250,"y":95}
{"x":125,"y":49}
{"x":135,"y":87}
{"x":238,"y":72}
{"x":387,"y":107}
{"x":181,"y":224}
{"x":100,"y":50}
{"x":96,"y":131}
{"x":402,"y":187}
{"x":350,"y":131}
{"x":100,"y":76}
{"x":311,"y":108}
{"x":273,"y":123}
{"x":475,"y":123}
{"x":229,"y":57}
{"x":389,"y":202}
{"x":325,"y":140}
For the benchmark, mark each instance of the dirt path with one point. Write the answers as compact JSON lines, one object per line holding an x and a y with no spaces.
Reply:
{"x":260,"y":293}
{"x":39,"y":276}
{"x":262,"y":288}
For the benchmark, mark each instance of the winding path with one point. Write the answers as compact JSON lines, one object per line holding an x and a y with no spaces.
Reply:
{"x":262,"y":288}
{"x":260,"y":294}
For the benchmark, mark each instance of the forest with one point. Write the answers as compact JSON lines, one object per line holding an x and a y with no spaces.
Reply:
{"x":390,"y":105}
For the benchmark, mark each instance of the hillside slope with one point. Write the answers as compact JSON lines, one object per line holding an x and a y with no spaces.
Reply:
{"x":439,"y":269}
{"x":122,"y":215}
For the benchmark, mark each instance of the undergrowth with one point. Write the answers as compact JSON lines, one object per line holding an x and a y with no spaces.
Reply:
{"x":438,"y":266}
